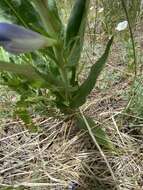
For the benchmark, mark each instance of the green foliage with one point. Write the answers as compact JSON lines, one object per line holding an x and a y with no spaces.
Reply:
{"x":49,"y":15}
{"x":54,"y":68}
{"x":51,"y":4}
{"x":20,"y":12}
{"x":75,"y":21}
{"x":74,"y":36}
{"x":129,"y":55}
{"x":114,"y":13}
{"x":22,"y":112}
{"x":88,"y":85}
{"x":23,"y":70}
{"x":136,"y":104}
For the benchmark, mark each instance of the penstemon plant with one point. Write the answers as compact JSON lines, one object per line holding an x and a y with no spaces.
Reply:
{"x":59,"y":47}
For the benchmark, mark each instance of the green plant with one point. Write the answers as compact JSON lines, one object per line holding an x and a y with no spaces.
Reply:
{"x":54,"y":67}
{"x":114,"y":13}
{"x":128,"y":11}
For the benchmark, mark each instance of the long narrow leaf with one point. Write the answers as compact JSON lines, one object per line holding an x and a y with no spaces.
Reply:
{"x":24,"y":70}
{"x":49,"y":15}
{"x":84,"y":90}
{"x":75,"y":34}
{"x":57,"y":23}
{"x":77,"y":16}
{"x":21,"y":12}
{"x":31,"y":74}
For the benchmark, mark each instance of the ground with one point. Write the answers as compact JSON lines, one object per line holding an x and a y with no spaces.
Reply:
{"x":60,"y":154}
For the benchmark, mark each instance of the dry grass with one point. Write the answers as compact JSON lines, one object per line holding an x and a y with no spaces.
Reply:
{"x":61,"y":154}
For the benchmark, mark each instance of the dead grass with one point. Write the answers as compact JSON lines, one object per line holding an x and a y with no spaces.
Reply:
{"x":61,"y":154}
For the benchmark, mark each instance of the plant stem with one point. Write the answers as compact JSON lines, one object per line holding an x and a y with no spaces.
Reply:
{"x":131,"y":35}
{"x":62,"y":69}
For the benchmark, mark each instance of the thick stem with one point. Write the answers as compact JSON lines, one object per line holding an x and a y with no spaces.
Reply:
{"x":62,"y":70}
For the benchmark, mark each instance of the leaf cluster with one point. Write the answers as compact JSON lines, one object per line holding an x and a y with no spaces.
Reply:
{"x":53,"y":69}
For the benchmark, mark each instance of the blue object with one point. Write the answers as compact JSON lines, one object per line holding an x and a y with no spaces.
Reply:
{"x":17,"y":39}
{"x":73,"y":185}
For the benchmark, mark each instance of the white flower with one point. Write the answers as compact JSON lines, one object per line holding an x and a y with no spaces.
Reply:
{"x":91,"y":8}
{"x":101,"y":10}
{"x":122,"y":25}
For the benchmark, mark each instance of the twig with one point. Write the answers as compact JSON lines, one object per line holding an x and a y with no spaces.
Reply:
{"x":99,"y":148}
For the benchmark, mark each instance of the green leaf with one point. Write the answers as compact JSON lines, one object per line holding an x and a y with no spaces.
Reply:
{"x":20,"y":12}
{"x":48,"y":12}
{"x":100,"y":135}
{"x":77,"y":16}
{"x":23,"y":70}
{"x":57,"y":23}
{"x":25,"y":117}
{"x":75,"y":34}
{"x":28,"y":72}
{"x":22,"y":111}
{"x":87,"y":86}
{"x":17,"y":84}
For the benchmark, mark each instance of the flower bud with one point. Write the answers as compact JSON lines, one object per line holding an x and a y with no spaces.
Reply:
{"x":17,"y":39}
